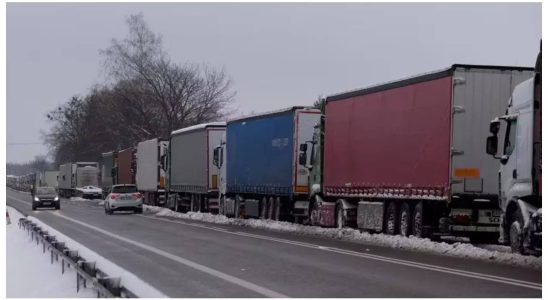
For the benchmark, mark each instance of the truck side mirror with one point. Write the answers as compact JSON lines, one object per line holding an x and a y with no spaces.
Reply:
{"x":491,"y":146}
{"x":494,"y":126}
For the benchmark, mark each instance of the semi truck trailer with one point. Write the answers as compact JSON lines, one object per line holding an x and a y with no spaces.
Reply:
{"x":260,"y":174}
{"x":108,"y":171}
{"x":408,"y":157}
{"x":193,"y":180}
{"x":126,"y":166}
{"x":516,"y":142}
{"x":151,"y":175}
{"x":77,"y":175}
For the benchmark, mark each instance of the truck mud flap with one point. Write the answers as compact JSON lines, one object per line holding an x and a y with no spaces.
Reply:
{"x":327,"y":214}
{"x":370,"y":215}
{"x":252,"y":208}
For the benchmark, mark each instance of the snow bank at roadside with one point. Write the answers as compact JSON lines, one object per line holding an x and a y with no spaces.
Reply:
{"x":129,"y":280}
{"x":458,"y":249}
{"x":28,"y":268}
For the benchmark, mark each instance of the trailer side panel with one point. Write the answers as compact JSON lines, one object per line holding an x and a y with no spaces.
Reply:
{"x":393,"y":141}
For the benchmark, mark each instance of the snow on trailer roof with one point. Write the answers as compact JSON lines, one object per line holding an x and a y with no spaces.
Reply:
{"x":417,"y":79}
{"x":199,"y":126}
{"x":273,"y":112}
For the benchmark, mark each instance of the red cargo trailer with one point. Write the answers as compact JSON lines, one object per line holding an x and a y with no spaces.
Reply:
{"x":126,"y":166}
{"x":408,"y":156}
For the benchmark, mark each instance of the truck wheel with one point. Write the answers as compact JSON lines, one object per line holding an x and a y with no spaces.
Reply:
{"x":391,"y":220}
{"x":405,"y":219}
{"x":341,"y":219}
{"x":314,"y":214}
{"x":264,"y":205}
{"x":417,"y":221}
{"x":516,"y":233}
{"x":277,"y":209}
{"x":222,"y":206}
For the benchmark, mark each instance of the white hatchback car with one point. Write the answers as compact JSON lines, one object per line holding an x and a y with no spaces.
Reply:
{"x":124,"y":197}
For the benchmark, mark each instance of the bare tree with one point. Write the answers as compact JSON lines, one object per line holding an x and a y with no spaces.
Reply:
{"x":182,"y":94}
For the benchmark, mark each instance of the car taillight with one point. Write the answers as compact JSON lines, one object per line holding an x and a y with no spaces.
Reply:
{"x":136,"y":195}
{"x":114,"y":196}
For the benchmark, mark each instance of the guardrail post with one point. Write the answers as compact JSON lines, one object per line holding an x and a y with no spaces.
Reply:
{"x":62,"y":266}
{"x":77,"y":282}
{"x":51,"y":254}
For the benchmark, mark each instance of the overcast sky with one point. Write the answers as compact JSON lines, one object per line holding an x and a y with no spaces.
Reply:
{"x":278,"y":55}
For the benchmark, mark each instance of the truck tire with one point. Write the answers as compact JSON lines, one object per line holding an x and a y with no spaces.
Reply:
{"x":341,"y":219}
{"x":264,"y":208}
{"x":314,"y":213}
{"x":516,"y":233}
{"x":405,"y":219}
{"x":391,"y":224}
{"x":417,"y":228}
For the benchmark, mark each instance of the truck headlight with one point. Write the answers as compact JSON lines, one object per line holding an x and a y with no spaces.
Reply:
{"x":56,"y":198}
{"x":36,"y":199}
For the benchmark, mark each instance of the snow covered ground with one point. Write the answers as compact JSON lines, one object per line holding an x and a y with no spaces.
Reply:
{"x":129,"y":280}
{"x":29,"y":273}
{"x":493,"y":253}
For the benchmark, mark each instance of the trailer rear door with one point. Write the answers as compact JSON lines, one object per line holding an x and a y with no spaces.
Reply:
{"x":479,"y":95}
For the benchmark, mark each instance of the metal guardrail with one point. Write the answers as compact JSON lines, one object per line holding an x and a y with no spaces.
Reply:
{"x":106,"y":286}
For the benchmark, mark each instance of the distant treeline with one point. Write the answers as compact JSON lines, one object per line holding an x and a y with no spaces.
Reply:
{"x":147,"y":96}
{"x":39,"y":164}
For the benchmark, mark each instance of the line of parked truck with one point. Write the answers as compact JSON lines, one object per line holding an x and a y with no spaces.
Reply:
{"x":406,"y":157}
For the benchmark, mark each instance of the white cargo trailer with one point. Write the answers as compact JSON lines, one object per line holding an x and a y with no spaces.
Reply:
{"x":192,"y":177}
{"x":77,"y":175}
{"x":150,"y":177}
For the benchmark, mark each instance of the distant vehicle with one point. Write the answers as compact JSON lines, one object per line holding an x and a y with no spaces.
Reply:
{"x":108,"y":171}
{"x":126,"y":164}
{"x":45,"y":196}
{"x":124,"y":197}
{"x":89,"y":192}
{"x":77,"y":175}
{"x":151,"y":175}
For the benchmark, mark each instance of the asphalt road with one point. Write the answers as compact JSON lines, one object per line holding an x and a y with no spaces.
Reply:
{"x":194,"y":259}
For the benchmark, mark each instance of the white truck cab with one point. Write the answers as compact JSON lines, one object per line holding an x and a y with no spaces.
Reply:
{"x":516,"y":142}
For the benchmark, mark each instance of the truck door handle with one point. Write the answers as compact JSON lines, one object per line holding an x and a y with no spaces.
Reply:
{"x":515,"y":174}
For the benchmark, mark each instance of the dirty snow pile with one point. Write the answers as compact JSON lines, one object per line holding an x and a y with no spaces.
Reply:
{"x":458,"y":249}
{"x":129,"y":280}
{"x":29,"y":272}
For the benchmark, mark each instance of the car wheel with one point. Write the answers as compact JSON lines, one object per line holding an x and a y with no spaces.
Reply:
{"x":58,"y":206}
{"x":391,"y":220}
{"x":516,"y":233}
{"x":33,"y":207}
{"x":417,"y":221}
{"x":139,"y":211}
{"x":405,"y":219}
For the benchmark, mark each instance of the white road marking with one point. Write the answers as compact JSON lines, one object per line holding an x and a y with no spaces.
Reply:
{"x":458,"y":272}
{"x":235,"y":280}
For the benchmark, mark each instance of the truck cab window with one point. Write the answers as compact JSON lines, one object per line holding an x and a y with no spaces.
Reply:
{"x":510,"y":138}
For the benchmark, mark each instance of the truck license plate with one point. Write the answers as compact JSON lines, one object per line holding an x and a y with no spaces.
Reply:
{"x":488,"y":216}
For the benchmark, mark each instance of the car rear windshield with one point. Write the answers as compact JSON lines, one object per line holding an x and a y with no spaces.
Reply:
{"x":124,"y":189}
{"x":45,"y":190}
